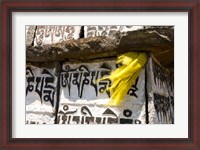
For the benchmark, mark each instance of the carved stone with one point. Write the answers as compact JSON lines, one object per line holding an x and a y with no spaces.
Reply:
{"x":69,"y":94}
{"x":157,"y":40}
{"x":41,"y":92}
{"x":30,"y":34}
{"x":55,"y":34}
{"x":83,"y":100}
{"x":160,"y":94}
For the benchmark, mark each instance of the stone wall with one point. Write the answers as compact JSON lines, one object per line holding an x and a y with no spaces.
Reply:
{"x":160,"y":94}
{"x":82,"y":100}
{"x":42,"y":92}
{"x":66,"y":91}
{"x":55,"y":34}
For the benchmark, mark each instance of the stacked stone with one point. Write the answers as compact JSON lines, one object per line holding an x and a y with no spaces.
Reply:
{"x":63,"y":68}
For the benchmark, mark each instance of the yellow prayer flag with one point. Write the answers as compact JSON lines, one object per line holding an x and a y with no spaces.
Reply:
{"x":125,"y":76}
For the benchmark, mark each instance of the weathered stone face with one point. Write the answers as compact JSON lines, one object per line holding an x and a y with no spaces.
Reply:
{"x":41,"y":92}
{"x":87,"y":55}
{"x":62,"y":43}
{"x":55,"y":34}
{"x":160,"y":94}
{"x":93,"y":31}
{"x":30,"y":33}
{"x":83,"y":100}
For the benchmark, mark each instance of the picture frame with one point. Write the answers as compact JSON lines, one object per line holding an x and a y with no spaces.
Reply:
{"x":8,"y":7}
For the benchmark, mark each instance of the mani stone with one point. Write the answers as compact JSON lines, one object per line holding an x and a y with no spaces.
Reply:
{"x":160,"y":94}
{"x":30,"y":33}
{"x":102,"y":42}
{"x":83,"y":100}
{"x":93,"y":31}
{"x":47,"y":35}
{"x":41,"y":92}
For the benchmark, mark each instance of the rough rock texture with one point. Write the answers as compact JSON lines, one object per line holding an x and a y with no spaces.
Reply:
{"x":158,"y":40}
{"x":55,"y":34}
{"x":84,"y":102}
{"x":30,"y":34}
{"x":160,"y":94}
{"x":41,"y":92}
{"x":93,"y":31}
{"x":70,"y":95}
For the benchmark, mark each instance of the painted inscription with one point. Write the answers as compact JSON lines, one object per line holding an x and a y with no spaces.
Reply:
{"x":92,"y":31}
{"x":163,"y":94}
{"x":160,"y":76}
{"x":82,"y":78}
{"x":164,"y":107}
{"x":55,"y":34}
{"x":83,"y":100}
{"x":160,"y":94}
{"x":30,"y":33}
{"x":43,"y":84}
{"x":84,"y":115}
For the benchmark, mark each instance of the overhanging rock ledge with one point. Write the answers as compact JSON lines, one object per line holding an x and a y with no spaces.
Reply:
{"x":157,"y":40}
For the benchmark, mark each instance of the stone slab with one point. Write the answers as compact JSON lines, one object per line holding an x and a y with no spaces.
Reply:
{"x":41,"y":92}
{"x":55,"y":34}
{"x":83,"y":101}
{"x":160,"y":94}
{"x":30,"y":34}
{"x":93,"y":31}
{"x":156,"y":40}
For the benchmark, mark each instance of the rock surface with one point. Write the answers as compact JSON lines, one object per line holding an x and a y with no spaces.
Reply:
{"x":160,"y":94}
{"x":84,"y":102}
{"x":93,"y":31}
{"x":62,"y":70}
{"x":71,"y":95}
{"x":157,"y":40}
{"x":41,"y":92}
{"x":55,"y":34}
{"x":30,"y":34}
